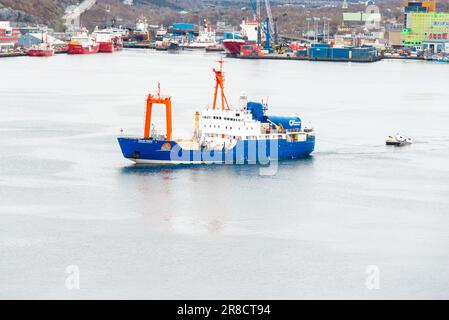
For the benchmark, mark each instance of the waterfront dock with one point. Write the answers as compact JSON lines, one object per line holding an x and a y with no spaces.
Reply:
{"x":12,"y":54}
{"x":296,"y":58}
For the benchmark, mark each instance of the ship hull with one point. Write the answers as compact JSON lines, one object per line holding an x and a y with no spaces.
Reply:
{"x":41,"y":53}
{"x":148,"y":151}
{"x":106,"y":47}
{"x":79,"y":49}
{"x":109,"y":47}
{"x":233,"y":47}
{"x":140,"y":36}
{"x":198,"y":46}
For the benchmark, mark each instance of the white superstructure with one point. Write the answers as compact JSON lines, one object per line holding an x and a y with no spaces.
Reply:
{"x":236,"y":124}
{"x":206,"y":38}
{"x":249,"y":30}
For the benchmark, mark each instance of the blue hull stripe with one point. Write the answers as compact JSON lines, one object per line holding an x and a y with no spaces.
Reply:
{"x":247,"y":151}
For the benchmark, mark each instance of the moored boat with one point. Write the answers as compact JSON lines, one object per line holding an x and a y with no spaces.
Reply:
{"x":249,"y":34}
{"x":215,"y":48}
{"x":206,"y":38}
{"x":233,"y":46}
{"x":222,"y":135}
{"x":41,"y":50}
{"x":108,"y":40}
{"x":140,"y":32}
{"x":82,"y":43}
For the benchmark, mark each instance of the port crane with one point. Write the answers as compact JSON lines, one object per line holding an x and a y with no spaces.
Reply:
{"x":269,"y":17}
{"x":269,"y":25}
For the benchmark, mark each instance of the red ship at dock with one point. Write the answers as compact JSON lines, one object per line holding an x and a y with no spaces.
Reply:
{"x":82,"y":43}
{"x":108,"y":40}
{"x":248,"y":36}
{"x":42,"y":50}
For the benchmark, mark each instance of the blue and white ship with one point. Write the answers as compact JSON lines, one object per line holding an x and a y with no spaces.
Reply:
{"x":222,"y":135}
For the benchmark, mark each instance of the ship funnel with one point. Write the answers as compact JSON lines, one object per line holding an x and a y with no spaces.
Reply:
{"x":243,"y":100}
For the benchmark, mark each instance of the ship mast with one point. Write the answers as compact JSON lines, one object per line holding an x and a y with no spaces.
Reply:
{"x":158,"y":99}
{"x":219,"y":84}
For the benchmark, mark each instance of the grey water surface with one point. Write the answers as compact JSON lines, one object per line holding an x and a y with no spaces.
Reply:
{"x":356,"y":220}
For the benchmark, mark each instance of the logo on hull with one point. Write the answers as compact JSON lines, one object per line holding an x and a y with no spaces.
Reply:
{"x":293,"y":123}
{"x":166,"y":147}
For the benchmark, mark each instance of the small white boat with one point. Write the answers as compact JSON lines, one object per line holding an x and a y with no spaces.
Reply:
{"x":398,"y":140}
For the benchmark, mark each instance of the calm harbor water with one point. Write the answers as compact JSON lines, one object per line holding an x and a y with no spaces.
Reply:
{"x":315,"y":229}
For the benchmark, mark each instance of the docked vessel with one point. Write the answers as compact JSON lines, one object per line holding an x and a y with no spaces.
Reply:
{"x":166,"y":44}
{"x":222,"y":135}
{"x":249,"y":34}
{"x":108,"y":40}
{"x":82,"y":43}
{"x":206,"y":38}
{"x":215,"y":48}
{"x":41,"y":50}
{"x":140,"y":32}
{"x":164,"y":41}
{"x":161,"y":33}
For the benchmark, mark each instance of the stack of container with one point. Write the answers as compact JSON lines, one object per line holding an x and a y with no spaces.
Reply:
{"x":319,"y":51}
{"x":364,"y":53}
{"x":302,"y":53}
{"x":340,"y":53}
{"x":251,"y":51}
{"x":322,"y":51}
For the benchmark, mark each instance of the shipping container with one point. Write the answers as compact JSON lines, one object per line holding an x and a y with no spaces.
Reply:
{"x":301,"y":53}
{"x":320,"y":45}
{"x":319,"y":53}
{"x":183,"y":26}
{"x":339,"y":53}
{"x":364,"y":53}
